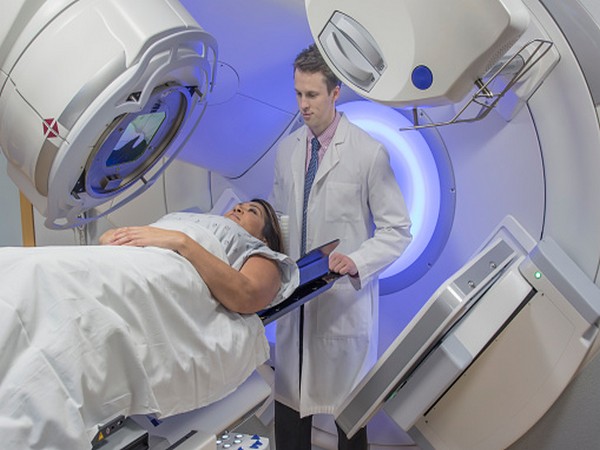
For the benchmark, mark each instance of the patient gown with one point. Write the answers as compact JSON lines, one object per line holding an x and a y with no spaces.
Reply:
{"x":90,"y":333}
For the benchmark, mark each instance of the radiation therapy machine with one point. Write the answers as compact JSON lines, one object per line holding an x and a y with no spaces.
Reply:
{"x":489,"y":353}
{"x":489,"y":111}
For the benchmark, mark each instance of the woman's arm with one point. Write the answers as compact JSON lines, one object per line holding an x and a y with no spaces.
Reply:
{"x":246,"y":291}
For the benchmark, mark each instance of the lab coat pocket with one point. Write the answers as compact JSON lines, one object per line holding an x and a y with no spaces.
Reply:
{"x":343,"y":312}
{"x":343,"y":202}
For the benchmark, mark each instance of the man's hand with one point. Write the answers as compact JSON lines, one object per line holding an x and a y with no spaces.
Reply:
{"x":342,"y":264}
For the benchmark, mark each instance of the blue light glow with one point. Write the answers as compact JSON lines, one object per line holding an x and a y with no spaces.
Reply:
{"x":414,"y":167}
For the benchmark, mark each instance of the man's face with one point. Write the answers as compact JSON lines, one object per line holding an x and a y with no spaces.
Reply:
{"x":315,"y":103}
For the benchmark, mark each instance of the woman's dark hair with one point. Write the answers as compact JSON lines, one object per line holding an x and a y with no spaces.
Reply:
{"x":271,"y":230}
{"x":310,"y":60}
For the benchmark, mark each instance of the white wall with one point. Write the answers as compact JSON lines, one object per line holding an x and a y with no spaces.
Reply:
{"x":10,"y":210}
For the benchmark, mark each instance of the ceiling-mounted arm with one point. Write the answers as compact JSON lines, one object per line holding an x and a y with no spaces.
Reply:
{"x":415,"y":54}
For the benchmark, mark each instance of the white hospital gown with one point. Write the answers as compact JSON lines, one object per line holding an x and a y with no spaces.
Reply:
{"x":238,"y":244}
{"x":89,"y":333}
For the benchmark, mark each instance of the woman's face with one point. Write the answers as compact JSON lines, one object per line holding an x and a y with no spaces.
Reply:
{"x":251,"y":216}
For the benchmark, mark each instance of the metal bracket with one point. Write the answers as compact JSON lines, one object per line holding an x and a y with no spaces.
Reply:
{"x":484,"y":100}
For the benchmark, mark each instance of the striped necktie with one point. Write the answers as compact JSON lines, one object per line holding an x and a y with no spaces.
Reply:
{"x":308,"y":181}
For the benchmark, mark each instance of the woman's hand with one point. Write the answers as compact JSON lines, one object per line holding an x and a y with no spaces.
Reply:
{"x":144,"y":236}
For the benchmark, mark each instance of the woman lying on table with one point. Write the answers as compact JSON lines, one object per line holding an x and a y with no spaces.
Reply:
{"x":153,"y":322}
{"x":251,"y":280}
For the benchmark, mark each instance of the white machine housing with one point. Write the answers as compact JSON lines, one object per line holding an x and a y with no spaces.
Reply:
{"x":364,"y":53}
{"x":123,"y":87}
{"x":490,"y":373}
{"x":517,"y":305}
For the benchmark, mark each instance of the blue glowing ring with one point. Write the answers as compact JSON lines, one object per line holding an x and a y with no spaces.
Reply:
{"x":425,"y":177}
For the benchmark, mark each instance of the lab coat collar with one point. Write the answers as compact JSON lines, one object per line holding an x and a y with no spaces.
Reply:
{"x":332,"y":155}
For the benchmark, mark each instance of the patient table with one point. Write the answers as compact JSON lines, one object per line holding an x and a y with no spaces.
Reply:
{"x":208,"y":428}
{"x":201,"y":429}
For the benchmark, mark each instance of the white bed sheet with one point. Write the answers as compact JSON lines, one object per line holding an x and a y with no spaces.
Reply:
{"x":88,"y":333}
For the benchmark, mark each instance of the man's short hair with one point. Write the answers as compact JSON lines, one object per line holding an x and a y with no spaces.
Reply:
{"x":310,"y":60}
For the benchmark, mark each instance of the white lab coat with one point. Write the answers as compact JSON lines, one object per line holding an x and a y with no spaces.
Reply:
{"x":354,"y":193}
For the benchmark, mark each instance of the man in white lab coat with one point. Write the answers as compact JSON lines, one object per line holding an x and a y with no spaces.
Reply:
{"x":324,"y":348}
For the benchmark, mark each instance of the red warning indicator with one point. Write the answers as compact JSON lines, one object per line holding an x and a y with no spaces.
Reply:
{"x":50,"y":128}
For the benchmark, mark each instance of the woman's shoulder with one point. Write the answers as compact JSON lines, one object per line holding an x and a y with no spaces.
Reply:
{"x":201,"y":219}
{"x":186,"y":216}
